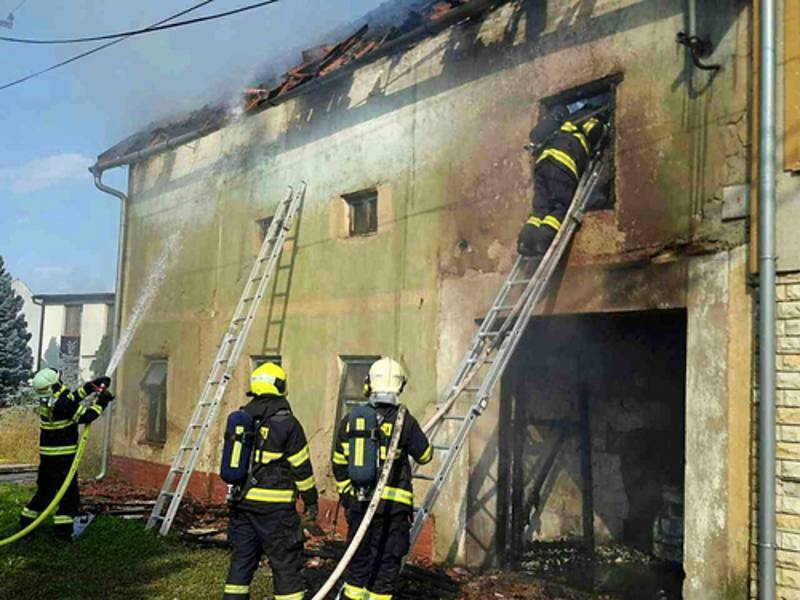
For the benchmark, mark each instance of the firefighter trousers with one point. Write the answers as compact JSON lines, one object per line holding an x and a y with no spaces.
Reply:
{"x":279,"y":536}
{"x":51,"y":474}
{"x":373,"y":572}
{"x":553,"y":189}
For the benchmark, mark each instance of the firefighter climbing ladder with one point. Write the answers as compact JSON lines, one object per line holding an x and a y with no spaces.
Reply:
{"x":180,"y":472}
{"x":493,"y":345}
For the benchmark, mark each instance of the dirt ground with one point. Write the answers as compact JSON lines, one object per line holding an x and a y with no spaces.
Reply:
{"x":204,"y":525}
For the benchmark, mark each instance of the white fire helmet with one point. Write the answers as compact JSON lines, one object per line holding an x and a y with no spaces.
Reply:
{"x":43,"y":383}
{"x":386,"y":376}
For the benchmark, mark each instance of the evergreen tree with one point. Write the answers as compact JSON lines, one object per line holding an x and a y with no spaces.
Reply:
{"x":16,"y":360}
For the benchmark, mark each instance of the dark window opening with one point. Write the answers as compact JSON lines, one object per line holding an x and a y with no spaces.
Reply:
{"x":259,"y":359}
{"x":362,"y":212}
{"x":351,"y":387}
{"x":154,"y":384}
{"x":263,"y":227}
{"x":597,"y":93}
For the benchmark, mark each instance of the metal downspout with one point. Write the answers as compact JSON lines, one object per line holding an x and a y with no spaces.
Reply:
{"x":766,"y":297}
{"x":118,"y":293}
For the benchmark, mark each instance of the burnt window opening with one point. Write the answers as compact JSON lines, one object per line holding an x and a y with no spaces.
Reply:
{"x":154,"y":384}
{"x":351,"y":386}
{"x":596,"y":93}
{"x":362,"y":208}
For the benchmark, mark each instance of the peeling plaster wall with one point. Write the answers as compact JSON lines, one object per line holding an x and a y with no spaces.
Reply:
{"x":438,"y":129}
{"x":717,"y":419}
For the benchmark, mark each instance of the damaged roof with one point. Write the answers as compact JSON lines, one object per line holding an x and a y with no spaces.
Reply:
{"x":372,"y":34}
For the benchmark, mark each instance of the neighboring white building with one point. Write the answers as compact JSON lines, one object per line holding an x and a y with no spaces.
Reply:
{"x":31,"y":312}
{"x":71,"y":329}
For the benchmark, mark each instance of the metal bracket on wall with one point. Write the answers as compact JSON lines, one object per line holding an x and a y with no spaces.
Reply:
{"x":698,"y":48}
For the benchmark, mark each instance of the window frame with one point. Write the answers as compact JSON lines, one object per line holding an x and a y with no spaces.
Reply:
{"x":355,"y":200}
{"x":152,"y":434}
{"x":66,"y":332}
{"x":256,"y":360}
{"x":343,"y":401}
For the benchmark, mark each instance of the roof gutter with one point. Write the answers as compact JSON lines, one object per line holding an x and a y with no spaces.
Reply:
{"x":427,"y":29}
{"x":118,"y":291}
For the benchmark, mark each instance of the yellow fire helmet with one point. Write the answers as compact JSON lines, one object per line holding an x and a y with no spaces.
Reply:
{"x":268,"y":379}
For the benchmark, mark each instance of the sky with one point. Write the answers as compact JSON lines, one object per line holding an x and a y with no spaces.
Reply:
{"x":58,"y":233}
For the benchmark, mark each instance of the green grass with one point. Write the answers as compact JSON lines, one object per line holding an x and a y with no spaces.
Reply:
{"x":114,"y":559}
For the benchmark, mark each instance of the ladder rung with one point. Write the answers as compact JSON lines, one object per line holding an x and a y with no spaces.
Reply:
{"x":157,"y":517}
{"x":454,"y":418}
{"x":425,"y":477}
{"x":518,"y":281}
{"x":440,"y":447}
{"x":487,"y":334}
{"x":504,"y":307}
{"x":472,"y":388}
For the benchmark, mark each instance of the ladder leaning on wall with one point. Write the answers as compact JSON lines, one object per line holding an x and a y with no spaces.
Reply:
{"x":230,"y":349}
{"x":493,"y":344}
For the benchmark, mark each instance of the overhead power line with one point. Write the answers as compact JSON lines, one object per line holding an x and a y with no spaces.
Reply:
{"x":133,"y":32}
{"x":98,"y":48}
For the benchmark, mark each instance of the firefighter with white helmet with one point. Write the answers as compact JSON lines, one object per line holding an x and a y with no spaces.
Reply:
{"x":373,"y":572}
{"x":61,"y":411}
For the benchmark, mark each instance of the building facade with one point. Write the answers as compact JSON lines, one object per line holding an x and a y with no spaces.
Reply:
{"x":73,"y":334}
{"x":641,"y":357}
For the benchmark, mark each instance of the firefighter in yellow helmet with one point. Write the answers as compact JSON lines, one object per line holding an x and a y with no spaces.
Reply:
{"x":373,"y":572}
{"x":263,"y":517}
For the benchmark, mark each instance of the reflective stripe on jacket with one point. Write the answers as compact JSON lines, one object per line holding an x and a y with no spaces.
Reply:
{"x":58,"y":435}
{"x":398,"y":495}
{"x":281,"y":459}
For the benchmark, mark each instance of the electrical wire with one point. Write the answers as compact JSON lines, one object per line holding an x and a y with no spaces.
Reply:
{"x":133,"y":32}
{"x":97,"y":48}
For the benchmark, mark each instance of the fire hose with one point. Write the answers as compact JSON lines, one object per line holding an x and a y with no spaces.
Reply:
{"x":59,"y":495}
{"x":371,"y":509}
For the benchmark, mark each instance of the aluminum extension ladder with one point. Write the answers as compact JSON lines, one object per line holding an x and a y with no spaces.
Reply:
{"x":493,"y":345}
{"x":233,"y":341}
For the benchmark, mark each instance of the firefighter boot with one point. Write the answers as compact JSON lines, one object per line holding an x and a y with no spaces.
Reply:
{"x":526,"y":240}
{"x":544,"y":237}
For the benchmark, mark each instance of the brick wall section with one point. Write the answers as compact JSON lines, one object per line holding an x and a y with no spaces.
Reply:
{"x":209,"y":487}
{"x":788,"y":450}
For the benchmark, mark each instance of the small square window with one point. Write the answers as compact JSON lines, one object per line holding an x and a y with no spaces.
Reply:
{"x":362,"y":212}
{"x":154,"y":384}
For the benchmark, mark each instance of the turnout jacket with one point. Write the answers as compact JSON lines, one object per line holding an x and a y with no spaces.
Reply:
{"x":59,"y":424}
{"x":570,"y":146}
{"x":398,"y":495}
{"x":281,"y":462}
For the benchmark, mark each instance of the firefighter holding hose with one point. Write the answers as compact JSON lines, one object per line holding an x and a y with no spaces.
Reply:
{"x":61,"y":411}
{"x":362,"y":443}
